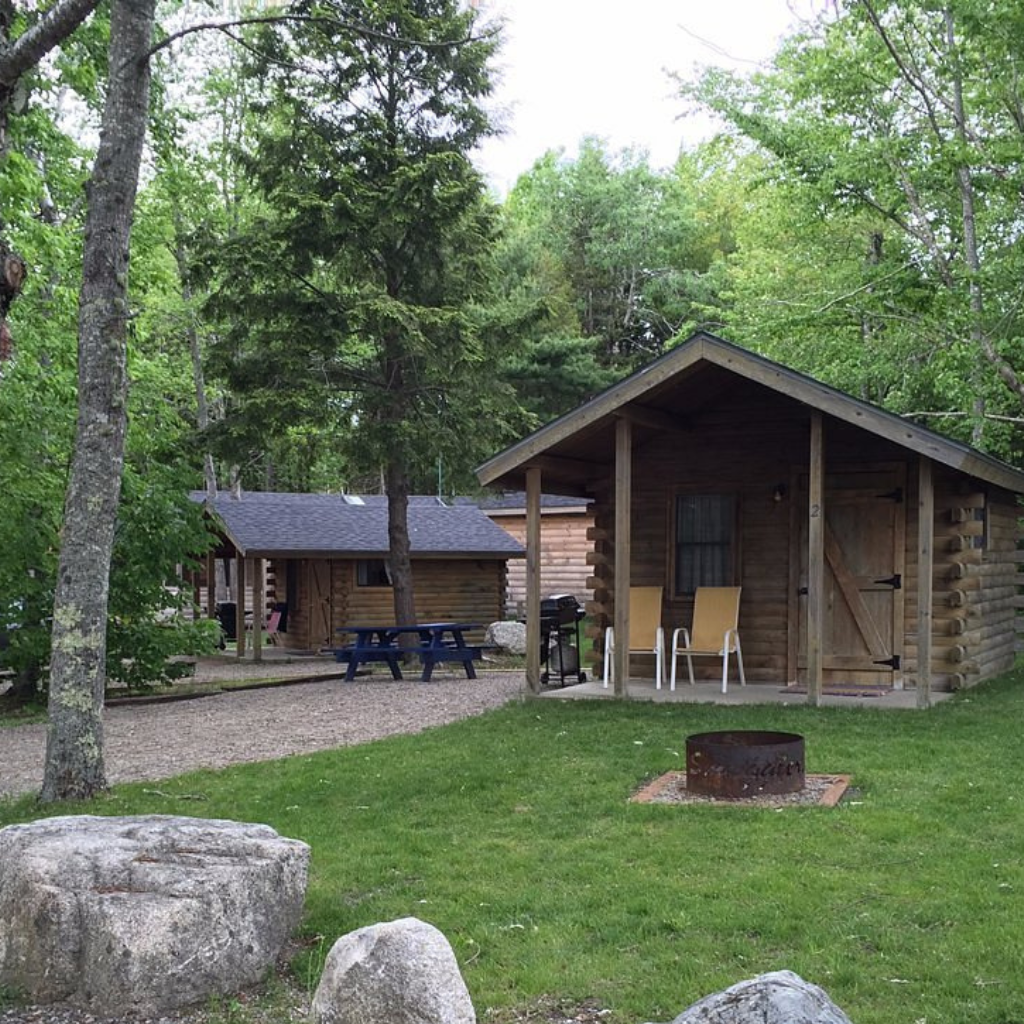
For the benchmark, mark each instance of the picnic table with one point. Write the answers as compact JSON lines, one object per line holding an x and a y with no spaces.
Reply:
{"x":437,"y":642}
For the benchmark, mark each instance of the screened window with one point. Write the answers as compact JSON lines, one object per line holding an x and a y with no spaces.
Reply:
{"x":705,"y":524}
{"x":372,"y":572}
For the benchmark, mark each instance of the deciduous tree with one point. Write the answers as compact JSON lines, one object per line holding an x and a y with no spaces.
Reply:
{"x":907,"y":119}
{"x":74,"y":751}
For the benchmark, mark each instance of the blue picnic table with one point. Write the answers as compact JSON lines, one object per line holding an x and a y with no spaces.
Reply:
{"x":437,"y":642}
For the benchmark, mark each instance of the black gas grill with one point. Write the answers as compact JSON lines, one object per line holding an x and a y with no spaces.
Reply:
{"x":560,"y":617}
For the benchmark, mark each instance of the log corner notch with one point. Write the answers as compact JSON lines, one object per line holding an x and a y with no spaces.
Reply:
{"x":12,"y":278}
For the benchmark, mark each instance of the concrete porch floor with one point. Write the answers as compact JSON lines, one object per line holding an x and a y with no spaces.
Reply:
{"x":752,"y":693}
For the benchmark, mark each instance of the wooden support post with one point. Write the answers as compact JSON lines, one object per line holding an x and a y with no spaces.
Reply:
{"x":239,"y":606}
{"x":925,"y":567}
{"x":533,"y":579}
{"x":211,"y":584}
{"x":259,"y":589}
{"x":815,"y":559}
{"x":623,"y":526}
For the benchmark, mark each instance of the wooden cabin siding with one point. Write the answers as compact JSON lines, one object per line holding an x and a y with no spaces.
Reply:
{"x":564,"y":544}
{"x":445,"y":591}
{"x":748,"y":456}
{"x":973,"y":608}
{"x":724,"y":456}
{"x":452,"y":590}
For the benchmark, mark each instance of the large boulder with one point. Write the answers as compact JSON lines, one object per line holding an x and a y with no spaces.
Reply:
{"x":146,"y":914}
{"x":508,"y":636}
{"x":780,"y":997}
{"x":400,"y":972}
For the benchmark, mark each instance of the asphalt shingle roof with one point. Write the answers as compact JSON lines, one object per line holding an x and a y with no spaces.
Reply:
{"x":268,"y":523}
{"x":516,"y":501}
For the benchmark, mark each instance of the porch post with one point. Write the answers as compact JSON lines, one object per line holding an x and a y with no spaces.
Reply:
{"x":239,"y":605}
{"x":211,"y":584}
{"x":925,"y":567}
{"x":533,"y":579}
{"x":623,"y":525}
{"x":815,"y":559}
{"x":259,"y":590}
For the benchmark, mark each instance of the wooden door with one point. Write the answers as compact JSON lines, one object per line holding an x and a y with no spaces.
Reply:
{"x":865,"y":527}
{"x":320,"y":618}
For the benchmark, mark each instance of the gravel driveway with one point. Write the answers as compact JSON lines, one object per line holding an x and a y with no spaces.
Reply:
{"x":156,"y":741}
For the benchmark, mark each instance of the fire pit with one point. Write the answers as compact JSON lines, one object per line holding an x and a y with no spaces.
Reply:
{"x":744,"y":763}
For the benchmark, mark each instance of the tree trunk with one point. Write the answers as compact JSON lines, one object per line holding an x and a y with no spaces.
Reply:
{"x":972,"y":252}
{"x":398,"y":542}
{"x":196,"y":352}
{"x":74,"y":749}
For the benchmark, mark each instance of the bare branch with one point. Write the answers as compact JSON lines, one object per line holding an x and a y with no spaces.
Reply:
{"x":863,"y":288}
{"x":922,"y":414}
{"x":318,"y":19}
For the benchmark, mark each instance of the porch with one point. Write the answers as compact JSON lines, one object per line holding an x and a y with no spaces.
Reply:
{"x":870,"y":551}
{"x":754,"y":693}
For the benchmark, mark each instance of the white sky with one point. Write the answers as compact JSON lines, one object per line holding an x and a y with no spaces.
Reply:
{"x":571,"y":68}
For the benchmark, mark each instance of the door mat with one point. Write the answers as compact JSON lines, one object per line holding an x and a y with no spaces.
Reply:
{"x":843,"y":691}
{"x":819,"y":790}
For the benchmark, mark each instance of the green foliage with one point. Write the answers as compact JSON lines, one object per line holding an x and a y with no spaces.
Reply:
{"x":614,"y":243}
{"x":513,"y":834}
{"x":883,"y":239}
{"x":612,"y":261}
{"x":355,"y":298}
{"x":158,"y":529}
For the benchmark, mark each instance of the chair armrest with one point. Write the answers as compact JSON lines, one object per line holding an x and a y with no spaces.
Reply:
{"x":675,"y":638}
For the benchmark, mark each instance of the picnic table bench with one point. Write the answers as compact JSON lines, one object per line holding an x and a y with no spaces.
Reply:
{"x":437,"y":642}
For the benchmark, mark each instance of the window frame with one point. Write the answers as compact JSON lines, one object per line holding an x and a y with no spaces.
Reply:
{"x":380,"y":570}
{"x":676,"y":544}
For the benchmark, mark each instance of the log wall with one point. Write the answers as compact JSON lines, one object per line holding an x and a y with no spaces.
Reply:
{"x":563,"y":556}
{"x":446,"y":590}
{"x":748,"y":454}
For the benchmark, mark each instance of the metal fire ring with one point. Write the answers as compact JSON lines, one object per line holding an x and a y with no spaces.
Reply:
{"x":744,"y":763}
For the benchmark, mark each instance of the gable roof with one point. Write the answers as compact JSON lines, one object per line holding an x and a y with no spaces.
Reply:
{"x":266,"y":524}
{"x":636,"y":398}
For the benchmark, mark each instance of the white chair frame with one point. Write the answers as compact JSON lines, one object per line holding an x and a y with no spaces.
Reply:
{"x":730,"y":645}
{"x":658,"y":651}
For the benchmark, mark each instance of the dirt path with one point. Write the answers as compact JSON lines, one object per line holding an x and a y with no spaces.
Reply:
{"x":156,"y":741}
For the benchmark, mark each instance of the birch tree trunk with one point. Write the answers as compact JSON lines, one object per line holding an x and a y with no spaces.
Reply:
{"x":74,"y":749}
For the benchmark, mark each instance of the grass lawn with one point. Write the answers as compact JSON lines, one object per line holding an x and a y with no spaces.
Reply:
{"x":513,"y":834}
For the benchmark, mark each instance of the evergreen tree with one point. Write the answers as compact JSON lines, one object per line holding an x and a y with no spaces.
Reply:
{"x":356,"y":295}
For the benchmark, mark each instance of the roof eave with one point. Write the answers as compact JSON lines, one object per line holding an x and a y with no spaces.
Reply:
{"x":510,"y":465}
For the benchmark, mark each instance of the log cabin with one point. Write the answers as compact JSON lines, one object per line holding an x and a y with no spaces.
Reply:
{"x":322,"y":559}
{"x":566,"y":525}
{"x":872,"y":552}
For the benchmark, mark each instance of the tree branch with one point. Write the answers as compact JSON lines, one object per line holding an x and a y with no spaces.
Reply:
{"x":36,"y":42}
{"x":313,"y":19}
{"x":961,"y":416}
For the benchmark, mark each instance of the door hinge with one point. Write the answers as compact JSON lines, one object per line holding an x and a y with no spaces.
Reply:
{"x":895,"y":495}
{"x":895,"y":581}
{"x":893,"y":662}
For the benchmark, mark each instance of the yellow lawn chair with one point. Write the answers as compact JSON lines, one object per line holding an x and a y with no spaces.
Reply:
{"x":646,"y":635}
{"x":716,"y":613}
